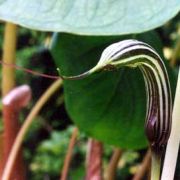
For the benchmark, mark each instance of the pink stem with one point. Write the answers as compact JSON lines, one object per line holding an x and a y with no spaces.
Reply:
{"x":94,"y":160}
{"x":13,"y":103}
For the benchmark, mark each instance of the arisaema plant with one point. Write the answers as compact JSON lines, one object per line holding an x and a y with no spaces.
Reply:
{"x":110,"y":18}
{"x":133,"y":53}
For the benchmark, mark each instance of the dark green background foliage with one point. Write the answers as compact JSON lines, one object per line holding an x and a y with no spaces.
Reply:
{"x":50,"y":155}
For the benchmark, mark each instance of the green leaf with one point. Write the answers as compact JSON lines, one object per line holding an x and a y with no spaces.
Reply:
{"x":109,"y":106}
{"x":105,"y":17}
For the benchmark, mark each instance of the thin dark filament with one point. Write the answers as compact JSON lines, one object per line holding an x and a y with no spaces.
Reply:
{"x":29,"y":70}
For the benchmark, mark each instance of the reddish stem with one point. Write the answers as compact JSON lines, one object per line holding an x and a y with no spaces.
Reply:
{"x":13,"y":103}
{"x":94,"y":160}
{"x":145,"y":165}
{"x":11,"y":65}
{"x":69,"y":155}
{"x":112,"y":167}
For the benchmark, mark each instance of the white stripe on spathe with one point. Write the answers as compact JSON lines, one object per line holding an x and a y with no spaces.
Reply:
{"x":157,"y":68}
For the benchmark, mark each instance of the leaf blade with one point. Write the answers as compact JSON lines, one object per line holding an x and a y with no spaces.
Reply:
{"x":90,"y":17}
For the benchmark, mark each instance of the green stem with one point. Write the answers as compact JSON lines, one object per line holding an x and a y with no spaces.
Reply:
{"x":8,"y":82}
{"x":155,"y":166}
{"x":28,"y":121}
{"x":9,"y":56}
